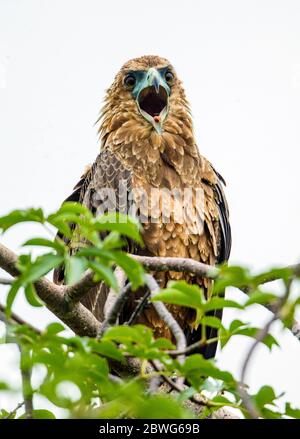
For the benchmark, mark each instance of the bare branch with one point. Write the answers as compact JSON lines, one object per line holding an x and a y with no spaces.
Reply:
{"x":11,"y":414}
{"x":250,"y":406}
{"x":15,"y":319}
{"x":79,"y":319}
{"x":112,"y":295}
{"x":166,"y":316}
{"x":82,"y":321}
{"x":199,"y":269}
{"x":187,"y":265}
{"x":139,"y":308}
{"x":177,"y":264}
{"x":74,"y":293}
{"x":192,"y":347}
{"x":115,"y":310}
{"x":4,"y":281}
{"x":27,"y":393}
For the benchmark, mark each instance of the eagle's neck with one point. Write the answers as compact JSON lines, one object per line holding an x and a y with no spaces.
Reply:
{"x":141,"y":149}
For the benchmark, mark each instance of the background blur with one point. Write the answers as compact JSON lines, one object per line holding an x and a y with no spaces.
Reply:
{"x":240,"y":64}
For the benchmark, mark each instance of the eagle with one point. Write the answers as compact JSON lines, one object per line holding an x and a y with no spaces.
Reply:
{"x":149,"y":153}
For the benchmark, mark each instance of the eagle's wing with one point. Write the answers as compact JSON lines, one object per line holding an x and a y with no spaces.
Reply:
{"x":94,"y":191}
{"x":225,"y":229}
{"x":216,"y":182}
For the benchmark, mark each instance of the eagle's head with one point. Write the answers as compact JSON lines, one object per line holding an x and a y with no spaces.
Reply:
{"x":148,"y":91}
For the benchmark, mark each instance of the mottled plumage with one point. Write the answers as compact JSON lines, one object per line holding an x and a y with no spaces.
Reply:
{"x":157,"y":155}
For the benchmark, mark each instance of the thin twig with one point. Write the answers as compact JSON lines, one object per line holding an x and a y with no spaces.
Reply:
{"x":74,"y":293}
{"x":26,"y":385}
{"x":115,"y":310}
{"x":197,"y":399}
{"x":167,"y":317}
{"x":250,"y":406}
{"x":112,"y":295}
{"x":139,"y":308}
{"x":11,"y":414}
{"x":115,"y":379}
{"x":15,"y":319}
{"x":192,"y":347}
{"x":4,"y":281}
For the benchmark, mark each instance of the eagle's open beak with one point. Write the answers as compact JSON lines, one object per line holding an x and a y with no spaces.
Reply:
{"x":153,"y":99}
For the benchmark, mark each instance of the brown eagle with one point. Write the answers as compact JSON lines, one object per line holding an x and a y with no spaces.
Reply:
{"x":147,"y":144}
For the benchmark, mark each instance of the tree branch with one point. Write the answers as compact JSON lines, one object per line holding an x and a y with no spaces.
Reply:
{"x":167,"y":317}
{"x":115,"y":310}
{"x":26,"y":386}
{"x":15,"y":319}
{"x":4,"y":281}
{"x":177,"y":264}
{"x":250,"y":406}
{"x":139,"y":308}
{"x":82,"y":321}
{"x":12,"y":414}
{"x":79,"y":318}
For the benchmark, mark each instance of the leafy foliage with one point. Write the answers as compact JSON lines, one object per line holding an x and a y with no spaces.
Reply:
{"x":84,"y":364}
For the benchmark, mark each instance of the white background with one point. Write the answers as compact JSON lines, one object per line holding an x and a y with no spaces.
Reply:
{"x":240,"y":63}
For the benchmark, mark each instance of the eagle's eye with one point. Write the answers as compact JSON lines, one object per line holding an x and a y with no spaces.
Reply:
{"x":129,"y":81}
{"x":169,"y":77}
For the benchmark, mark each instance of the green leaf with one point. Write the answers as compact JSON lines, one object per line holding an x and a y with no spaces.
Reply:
{"x":292,"y":412}
{"x":12,"y":293}
{"x":74,"y":269}
{"x":56,"y":245}
{"x":54,"y":328}
{"x":195,"y":366}
{"x":74,"y":208}
{"x":18,"y":216}
{"x":163,"y":343}
{"x":219,"y":303}
{"x":122,"y":334}
{"x":113,"y":241}
{"x":181,"y":293}
{"x":41,"y":266}
{"x":261,"y":298}
{"x":132,"y":268}
{"x":4,"y":414}
{"x":42,"y":414}
{"x":118,"y":222}
{"x":4,"y":386}
{"x":161,"y":407}
{"x":274,"y":273}
{"x":31,"y":296}
{"x":269,"y":340}
{"x":211,"y":321}
{"x":231,"y":276}
{"x":265,"y":395}
{"x":235,"y":324}
{"x":66,"y":217}
{"x":61,"y":225}
{"x":105,"y":273}
{"x":222,"y":400}
{"x":108,"y":349}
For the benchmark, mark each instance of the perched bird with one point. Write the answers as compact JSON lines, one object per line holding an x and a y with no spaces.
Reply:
{"x":147,"y":144}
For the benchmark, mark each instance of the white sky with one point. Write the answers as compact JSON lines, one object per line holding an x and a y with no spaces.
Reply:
{"x":240,"y":63}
